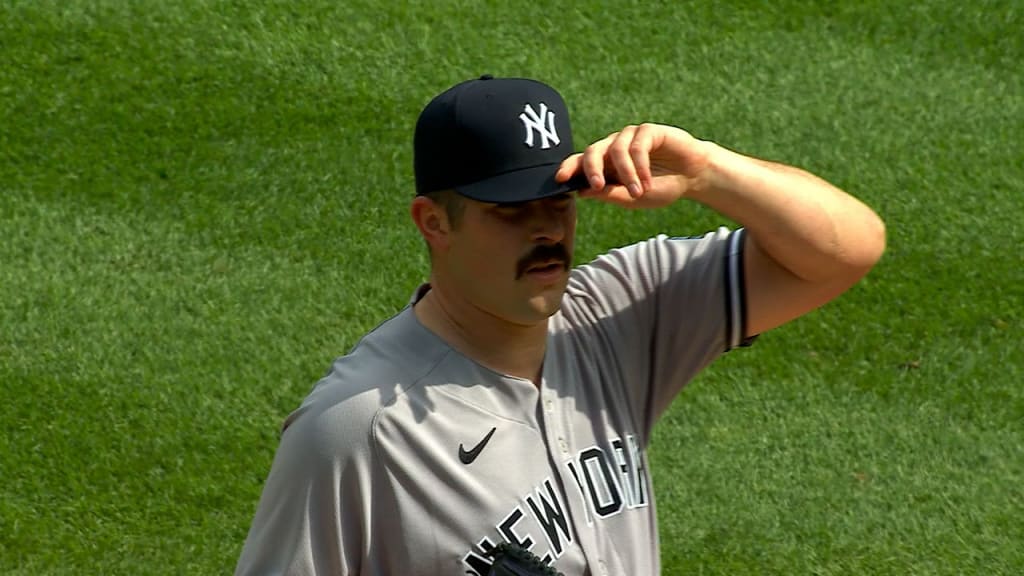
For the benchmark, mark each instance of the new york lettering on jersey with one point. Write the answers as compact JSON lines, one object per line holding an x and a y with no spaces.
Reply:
{"x":606,"y":484}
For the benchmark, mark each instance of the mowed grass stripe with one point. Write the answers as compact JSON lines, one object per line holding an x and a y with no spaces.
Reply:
{"x":204,"y":203}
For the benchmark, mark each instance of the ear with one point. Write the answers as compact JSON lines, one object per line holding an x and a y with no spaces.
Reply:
{"x":432,"y":221}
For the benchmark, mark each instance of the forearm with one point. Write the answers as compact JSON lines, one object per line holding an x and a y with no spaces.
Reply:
{"x":806,"y":225}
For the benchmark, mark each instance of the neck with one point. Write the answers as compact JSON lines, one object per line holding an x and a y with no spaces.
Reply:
{"x":500,"y":345}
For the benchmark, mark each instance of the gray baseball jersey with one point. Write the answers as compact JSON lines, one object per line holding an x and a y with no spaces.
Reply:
{"x":410,"y":459}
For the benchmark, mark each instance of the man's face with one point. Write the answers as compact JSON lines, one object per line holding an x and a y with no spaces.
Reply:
{"x":513,"y":260}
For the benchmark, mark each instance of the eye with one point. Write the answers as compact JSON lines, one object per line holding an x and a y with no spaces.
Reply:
{"x":511,"y":211}
{"x":510,"y":208}
{"x":561,"y":202}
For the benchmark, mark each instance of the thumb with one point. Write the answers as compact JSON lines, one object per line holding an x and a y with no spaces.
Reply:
{"x":616,"y":194}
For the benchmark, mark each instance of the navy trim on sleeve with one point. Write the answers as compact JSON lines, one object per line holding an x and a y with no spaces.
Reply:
{"x":735,"y":293}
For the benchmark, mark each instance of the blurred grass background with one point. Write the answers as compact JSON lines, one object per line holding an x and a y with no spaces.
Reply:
{"x":203,"y":202}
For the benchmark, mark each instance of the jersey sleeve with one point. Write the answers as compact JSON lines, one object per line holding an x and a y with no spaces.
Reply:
{"x":669,"y":306}
{"x":313,"y":515}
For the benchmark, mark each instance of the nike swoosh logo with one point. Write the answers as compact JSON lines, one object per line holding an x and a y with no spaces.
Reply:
{"x":468,"y":457}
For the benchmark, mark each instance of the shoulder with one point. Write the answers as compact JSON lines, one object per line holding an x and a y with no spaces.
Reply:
{"x":642,"y":256}
{"x":624,"y":275}
{"x":383,"y":366}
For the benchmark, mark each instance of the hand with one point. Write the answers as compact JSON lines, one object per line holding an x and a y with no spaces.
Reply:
{"x":646,"y":166}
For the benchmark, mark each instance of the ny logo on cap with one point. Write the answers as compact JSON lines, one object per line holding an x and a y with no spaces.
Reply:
{"x":534,"y":122}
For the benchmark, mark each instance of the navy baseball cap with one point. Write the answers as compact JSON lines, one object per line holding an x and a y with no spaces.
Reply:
{"x":494,"y":140}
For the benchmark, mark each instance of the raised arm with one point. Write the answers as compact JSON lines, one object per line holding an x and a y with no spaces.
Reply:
{"x":807,"y":240}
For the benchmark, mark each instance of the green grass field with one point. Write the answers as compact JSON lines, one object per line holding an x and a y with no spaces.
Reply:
{"x":203,"y":202}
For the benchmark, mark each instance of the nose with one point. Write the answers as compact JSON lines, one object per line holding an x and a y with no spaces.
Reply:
{"x":547,"y":226}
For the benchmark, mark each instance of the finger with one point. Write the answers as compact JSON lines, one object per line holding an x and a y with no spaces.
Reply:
{"x":569,"y":167}
{"x":640,"y":152}
{"x":620,"y":155}
{"x":594,"y":162}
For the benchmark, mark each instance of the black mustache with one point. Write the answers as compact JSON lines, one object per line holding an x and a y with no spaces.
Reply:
{"x":543,"y":253}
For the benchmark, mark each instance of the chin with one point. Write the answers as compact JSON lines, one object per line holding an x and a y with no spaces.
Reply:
{"x":549,"y":302}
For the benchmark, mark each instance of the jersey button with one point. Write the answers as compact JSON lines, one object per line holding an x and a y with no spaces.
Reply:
{"x":602,"y":567}
{"x":563,"y":445}
{"x":549,"y":405}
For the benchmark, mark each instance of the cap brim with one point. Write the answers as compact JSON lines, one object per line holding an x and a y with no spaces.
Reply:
{"x":522,"y":185}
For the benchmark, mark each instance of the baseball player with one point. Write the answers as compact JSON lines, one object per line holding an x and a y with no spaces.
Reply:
{"x":512,"y":401}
